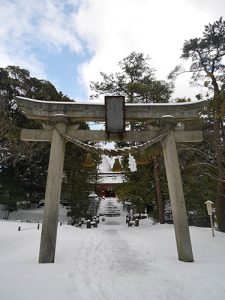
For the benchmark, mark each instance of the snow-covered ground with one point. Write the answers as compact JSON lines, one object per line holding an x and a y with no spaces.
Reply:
{"x":32,"y":214}
{"x":110,"y":262}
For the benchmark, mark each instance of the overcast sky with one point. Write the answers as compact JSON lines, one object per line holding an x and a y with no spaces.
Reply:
{"x":69,"y":42}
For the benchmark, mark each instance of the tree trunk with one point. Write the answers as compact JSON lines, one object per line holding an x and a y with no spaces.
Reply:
{"x":218,"y":142}
{"x":6,"y":214}
{"x":220,"y":198}
{"x":220,"y":206}
{"x":160,"y":204}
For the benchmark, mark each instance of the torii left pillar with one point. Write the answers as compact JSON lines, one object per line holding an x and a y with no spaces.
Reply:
{"x":53,"y":191}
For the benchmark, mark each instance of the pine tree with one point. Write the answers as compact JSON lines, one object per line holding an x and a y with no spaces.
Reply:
{"x":207,"y":66}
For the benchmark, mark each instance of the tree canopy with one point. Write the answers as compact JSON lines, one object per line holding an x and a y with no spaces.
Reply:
{"x":135,"y":81}
{"x":23,"y":166}
{"x":206,"y":55}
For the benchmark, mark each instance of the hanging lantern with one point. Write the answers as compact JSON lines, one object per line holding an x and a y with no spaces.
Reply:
{"x":142,"y":159}
{"x":89,"y":161}
{"x":117,"y":166}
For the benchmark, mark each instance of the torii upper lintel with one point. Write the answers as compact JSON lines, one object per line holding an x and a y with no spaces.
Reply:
{"x":74,"y":111}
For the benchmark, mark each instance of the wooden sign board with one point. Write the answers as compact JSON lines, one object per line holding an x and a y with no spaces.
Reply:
{"x":114,"y":114}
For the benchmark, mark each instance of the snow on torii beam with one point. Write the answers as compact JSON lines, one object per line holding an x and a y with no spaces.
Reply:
{"x":74,"y":111}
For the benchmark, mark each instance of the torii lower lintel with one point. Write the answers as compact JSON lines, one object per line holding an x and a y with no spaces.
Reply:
{"x":45,"y":135}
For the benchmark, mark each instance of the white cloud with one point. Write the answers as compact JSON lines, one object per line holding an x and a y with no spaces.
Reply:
{"x":215,"y":8}
{"x":112,"y":29}
{"x":108,"y":30}
{"x":26,"y":25}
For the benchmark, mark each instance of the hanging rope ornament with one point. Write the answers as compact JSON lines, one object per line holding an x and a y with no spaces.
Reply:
{"x":119,"y":152}
{"x":89,"y":161}
{"x":117,"y":166}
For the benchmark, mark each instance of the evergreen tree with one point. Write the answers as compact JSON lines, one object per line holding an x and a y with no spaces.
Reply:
{"x":23,"y":166}
{"x":207,"y":66}
{"x":78,"y":181}
{"x":136,"y":81}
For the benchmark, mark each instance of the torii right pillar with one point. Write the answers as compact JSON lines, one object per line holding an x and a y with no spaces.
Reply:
{"x":178,"y":206}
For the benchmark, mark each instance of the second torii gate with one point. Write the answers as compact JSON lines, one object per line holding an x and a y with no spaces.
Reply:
{"x":62,"y":115}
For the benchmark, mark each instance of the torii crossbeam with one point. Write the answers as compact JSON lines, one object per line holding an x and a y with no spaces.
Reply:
{"x":63,"y":116}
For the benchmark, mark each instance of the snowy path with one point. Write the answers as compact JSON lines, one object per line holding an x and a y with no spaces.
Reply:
{"x":105,"y":262}
{"x":111,"y":262}
{"x":110,"y":268}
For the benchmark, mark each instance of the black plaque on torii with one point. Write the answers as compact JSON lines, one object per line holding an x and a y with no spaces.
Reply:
{"x":115,"y":115}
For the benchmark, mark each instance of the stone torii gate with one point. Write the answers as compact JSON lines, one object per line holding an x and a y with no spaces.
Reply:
{"x":63,"y":115}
